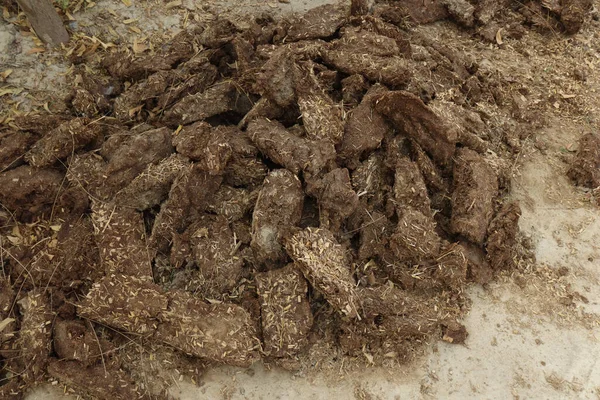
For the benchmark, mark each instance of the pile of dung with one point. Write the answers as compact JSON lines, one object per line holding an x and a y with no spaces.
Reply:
{"x":248,"y":193}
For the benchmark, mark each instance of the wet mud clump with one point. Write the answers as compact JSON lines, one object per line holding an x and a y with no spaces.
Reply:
{"x":242,"y":185}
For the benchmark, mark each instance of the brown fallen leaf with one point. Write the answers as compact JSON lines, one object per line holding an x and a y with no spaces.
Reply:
{"x":499,"y":36}
{"x":36,"y":50}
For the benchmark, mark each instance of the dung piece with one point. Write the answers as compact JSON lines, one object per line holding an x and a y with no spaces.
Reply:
{"x":322,"y":118}
{"x":121,"y":238}
{"x":502,"y":237}
{"x":375,"y":230}
{"x":370,"y":181}
{"x":461,"y":11}
{"x":365,"y":129}
{"x":125,"y":66}
{"x":74,"y":341}
{"x":430,"y":172}
{"x":263,"y":108}
{"x":39,"y":124}
{"x":35,"y":334}
{"x":353,"y":89}
{"x":585,"y":168}
{"x":152,"y":185}
{"x":84,"y":103}
{"x":207,"y":145}
{"x":97,"y":381}
{"x":414,"y":119}
{"x":572,"y":14}
{"x":29,"y":191}
{"x":213,"y":248}
{"x":190,"y":194}
{"x":232,"y":203}
{"x":278,"y":76}
{"x":124,"y":302}
{"x":391,"y":71}
{"x":222,"y":332}
{"x":217,"y":99}
{"x":247,"y":172}
{"x":71,"y":258}
{"x":278,"y":208}
{"x":294,"y":153}
{"x":409,"y":188}
{"x":63,"y":141}
{"x":359,"y":7}
{"x":389,"y":316}
{"x":131,"y":157}
{"x":420,"y":11}
{"x":475,"y":189}
{"x":13,"y":146}
{"x":218,"y":33}
{"x":285,"y":311}
{"x":130,"y":102}
{"x":191,"y":77}
{"x":318,"y":23}
{"x":323,"y":262}
{"x":336,"y":198}
{"x":415,"y":238}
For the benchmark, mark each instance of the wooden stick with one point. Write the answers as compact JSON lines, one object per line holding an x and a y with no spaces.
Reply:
{"x":45,"y":20}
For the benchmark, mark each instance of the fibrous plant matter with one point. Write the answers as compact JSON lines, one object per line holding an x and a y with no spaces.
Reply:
{"x":240,"y":180}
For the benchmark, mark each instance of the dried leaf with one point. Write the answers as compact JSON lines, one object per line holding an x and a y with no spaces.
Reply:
{"x":499,"y":36}
{"x":5,"y":323}
{"x":139,"y":47}
{"x":36,"y":50}
{"x":130,"y":21}
{"x":126,"y":2}
{"x":174,"y":4}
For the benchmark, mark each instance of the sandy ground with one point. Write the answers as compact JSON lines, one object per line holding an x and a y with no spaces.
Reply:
{"x":532,"y":335}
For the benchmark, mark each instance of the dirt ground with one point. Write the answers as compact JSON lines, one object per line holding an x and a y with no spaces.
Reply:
{"x":532,"y":330}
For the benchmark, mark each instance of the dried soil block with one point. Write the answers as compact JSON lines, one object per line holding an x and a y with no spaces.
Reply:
{"x":222,"y":332}
{"x":415,"y":238}
{"x":35,"y":335}
{"x":13,"y":146}
{"x":217,"y":99}
{"x":502,"y":237}
{"x":124,"y":302}
{"x":585,"y":168}
{"x":409,"y":188}
{"x":63,"y":141}
{"x":285,"y":311}
{"x":323,"y":262}
{"x":121,"y":238}
{"x":132,"y":157}
{"x":189,"y":196}
{"x":207,"y":145}
{"x":232,"y":203}
{"x":322,"y":118}
{"x":278,"y":209}
{"x":68,"y":259}
{"x":284,"y":148}
{"x":213,"y":248}
{"x":96,"y":381}
{"x":151,"y":187}
{"x":74,"y":341}
{"x":364,"y":131}
{"x":415,"y":120}
{"x":475,"y":189}
{"x":29,"y":191}
{"x":129,"y":103}
{"x":318,"y":23}
{"x":336,"y":198}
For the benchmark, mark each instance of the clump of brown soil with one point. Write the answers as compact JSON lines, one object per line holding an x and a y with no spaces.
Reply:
{"x":242,"y":185}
